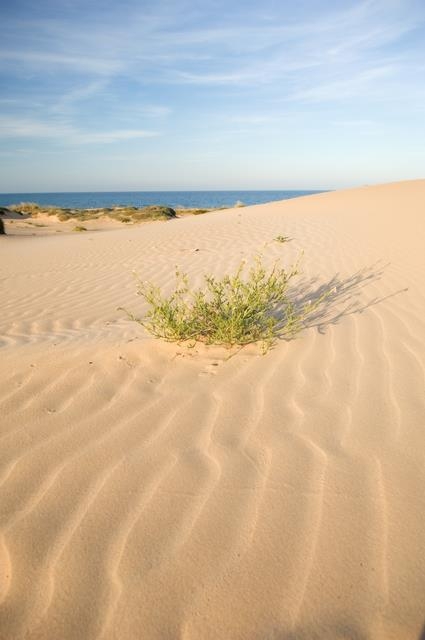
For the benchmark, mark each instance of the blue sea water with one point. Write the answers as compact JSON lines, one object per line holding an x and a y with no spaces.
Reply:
{"x":175,"y":199}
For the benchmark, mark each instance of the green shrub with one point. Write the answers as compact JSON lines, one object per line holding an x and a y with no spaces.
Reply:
{"x":86,"y":215}
{"x":153,"y":212}
{"x":64,"y":217}
{"x":26,"y":207}
{"x":158,"y":212}
{"x":120,"y":216}
{"x":232,"y":310}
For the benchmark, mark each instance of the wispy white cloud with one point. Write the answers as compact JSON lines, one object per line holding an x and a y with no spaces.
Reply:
{"x":255,"y":119}
{"x":44,"y":60}
{"x":152,"y":111}
{"x":66,"y":133}
{"x":163,"y":46}
{"x":106,"y":137}
{"x":358,"y":83}
{"x":69,"y":100}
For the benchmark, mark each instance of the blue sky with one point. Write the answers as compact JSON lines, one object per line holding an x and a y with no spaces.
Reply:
{"x":212,"y":94}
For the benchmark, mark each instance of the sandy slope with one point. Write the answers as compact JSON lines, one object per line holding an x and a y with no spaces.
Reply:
{"x":152,"y":492}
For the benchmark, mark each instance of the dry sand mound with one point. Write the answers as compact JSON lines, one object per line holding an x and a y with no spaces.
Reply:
{"x":148,"y":491}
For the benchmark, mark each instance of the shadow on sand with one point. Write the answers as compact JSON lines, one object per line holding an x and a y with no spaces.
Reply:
{"x":341,"y":297}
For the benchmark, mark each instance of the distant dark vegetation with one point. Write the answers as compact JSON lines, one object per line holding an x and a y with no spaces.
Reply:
{"x":123,"y":214}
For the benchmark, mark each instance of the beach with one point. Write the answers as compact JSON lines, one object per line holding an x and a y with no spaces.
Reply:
{"x":151,"y":490}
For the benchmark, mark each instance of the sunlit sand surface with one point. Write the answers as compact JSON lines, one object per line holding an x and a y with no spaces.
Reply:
{"x":158,"y":492}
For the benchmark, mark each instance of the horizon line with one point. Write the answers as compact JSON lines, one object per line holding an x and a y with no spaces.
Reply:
{"x":8,"y":193}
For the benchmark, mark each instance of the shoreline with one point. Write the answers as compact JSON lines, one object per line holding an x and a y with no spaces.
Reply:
{"x":175,"y":199}
{"x":35,"y":220}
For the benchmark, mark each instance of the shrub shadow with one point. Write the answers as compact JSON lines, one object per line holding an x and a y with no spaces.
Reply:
{"x":341,"y":296}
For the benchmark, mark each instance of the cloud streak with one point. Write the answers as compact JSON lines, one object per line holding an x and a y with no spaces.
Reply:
{"x":204,"y":54}
{"x":66,"y":133}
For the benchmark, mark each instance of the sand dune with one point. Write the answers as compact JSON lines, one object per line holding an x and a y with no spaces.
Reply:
{"x":151,"y":491}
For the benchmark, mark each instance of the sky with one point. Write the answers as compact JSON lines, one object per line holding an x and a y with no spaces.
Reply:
{"x":98,"y":95}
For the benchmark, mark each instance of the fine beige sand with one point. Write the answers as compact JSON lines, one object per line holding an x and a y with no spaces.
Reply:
{"x":150,"y":491}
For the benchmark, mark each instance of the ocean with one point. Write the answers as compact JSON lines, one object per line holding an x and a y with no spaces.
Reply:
{"x":175,"y":199}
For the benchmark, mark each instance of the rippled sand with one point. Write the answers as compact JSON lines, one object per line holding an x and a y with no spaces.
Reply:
{"x":154,"y":492}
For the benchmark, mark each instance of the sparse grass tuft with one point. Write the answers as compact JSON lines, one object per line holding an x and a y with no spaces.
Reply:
{"x":54,"y":211}
{"x":80,"y":228}
{"x":234,"y":310}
